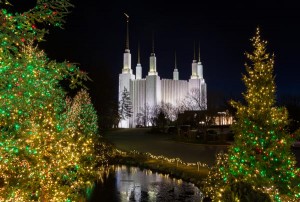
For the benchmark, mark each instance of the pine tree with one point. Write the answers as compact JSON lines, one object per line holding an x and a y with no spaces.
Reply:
{"x":81,"y":113}
{"x":44,"y":156}
{"x":260,"y":154}
{"x":125,"y":105}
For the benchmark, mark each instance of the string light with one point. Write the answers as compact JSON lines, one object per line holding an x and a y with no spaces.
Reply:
{"x":161,"y":158}
{"x":49,"y":149}
{"x":260,"y":155}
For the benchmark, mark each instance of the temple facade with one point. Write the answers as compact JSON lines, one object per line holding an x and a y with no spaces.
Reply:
{"x":151,"y":91}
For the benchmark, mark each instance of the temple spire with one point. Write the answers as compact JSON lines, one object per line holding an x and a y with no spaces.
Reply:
{"x":199,"y":52}
{"x":175,"y":72}
{"x":139,"y":54}
{"x":127,"y":32}
{"x":127,"y":56}
{"x":194,"y":50}
{"x":152,"y":42}
{"x":138,"y":69}
{"x":194,"y":64}
{"x":152,"y":69}
{"x":199,"y":65}
{"x":175,"y":61}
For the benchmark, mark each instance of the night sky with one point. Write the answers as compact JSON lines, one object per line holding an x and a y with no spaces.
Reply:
{"x":94,"y":37}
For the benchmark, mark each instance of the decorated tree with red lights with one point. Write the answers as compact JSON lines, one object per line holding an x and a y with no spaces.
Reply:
{"x":47,"y":144}
{"x":261,"y":153}
{"x":259,"y":165}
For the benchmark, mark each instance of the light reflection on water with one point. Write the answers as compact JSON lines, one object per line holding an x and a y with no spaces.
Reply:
{"x":132,"y":184}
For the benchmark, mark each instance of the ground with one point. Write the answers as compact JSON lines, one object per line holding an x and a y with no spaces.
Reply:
{"x":157,"y":144}
{"x":140,"y":140}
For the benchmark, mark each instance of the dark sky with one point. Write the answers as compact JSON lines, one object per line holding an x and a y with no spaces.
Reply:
{"x":94,"y":37}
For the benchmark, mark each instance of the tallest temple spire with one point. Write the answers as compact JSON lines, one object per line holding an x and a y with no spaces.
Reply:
{"x":127,"y":55}
{"x":127,"y":32}
{"x":126,"y":77}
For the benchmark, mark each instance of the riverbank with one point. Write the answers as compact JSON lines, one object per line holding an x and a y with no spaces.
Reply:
{"x":174,"y":167}
{"x":141,"y":140}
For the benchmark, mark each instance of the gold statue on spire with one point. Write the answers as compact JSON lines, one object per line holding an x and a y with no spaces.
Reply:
{"x":127,"y":16}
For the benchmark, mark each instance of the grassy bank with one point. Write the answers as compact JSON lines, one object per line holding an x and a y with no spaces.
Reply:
{"x":190,"y":172}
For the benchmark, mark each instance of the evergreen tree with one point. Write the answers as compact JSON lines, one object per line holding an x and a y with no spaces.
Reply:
{"x":81,"y":113}
{"x":45,"y":152}
{"x":125,"y":105}
{"x":260,"y":154}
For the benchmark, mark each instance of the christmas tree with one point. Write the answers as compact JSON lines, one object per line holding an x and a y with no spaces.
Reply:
{"x":259,"y":165}
{"x":81,"y":113}
{"x":125,"y":109}
{"x":260,"y":154}
{"x":47,"y":143}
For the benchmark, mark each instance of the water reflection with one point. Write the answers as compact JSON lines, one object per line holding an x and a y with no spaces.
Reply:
{"x":132,"y":184}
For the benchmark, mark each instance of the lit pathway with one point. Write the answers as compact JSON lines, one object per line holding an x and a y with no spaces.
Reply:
{"x":138,"y":139}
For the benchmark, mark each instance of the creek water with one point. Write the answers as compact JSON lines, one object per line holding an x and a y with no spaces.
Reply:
{"x":133,"y":184}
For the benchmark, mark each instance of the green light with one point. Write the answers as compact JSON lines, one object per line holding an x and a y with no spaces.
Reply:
{"x":236,"y":149}
{"x":17,"y":126}
{"x":16,"y":150}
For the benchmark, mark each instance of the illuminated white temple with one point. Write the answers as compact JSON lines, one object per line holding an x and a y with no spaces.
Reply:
{"x":152,"y":90}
